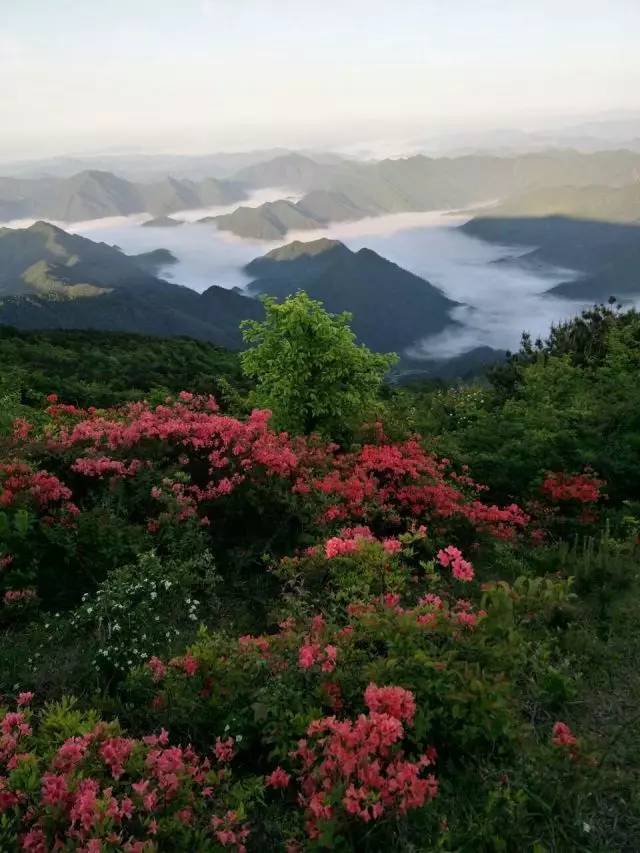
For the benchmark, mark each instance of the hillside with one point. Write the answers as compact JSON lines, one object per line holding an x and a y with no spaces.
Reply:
{"x":108,"y":368}
{"x":94,"y":194}
{"x":382,"y":595}
{"x":272,"y":220}
{"x":52,"y":279}
{"x":606,"y":253}
{"x":423,"y":183}
{"x":269,"y":221}
{"x":596,"y":203}
{"x":68,"y":260}
{"x":391,"y":307}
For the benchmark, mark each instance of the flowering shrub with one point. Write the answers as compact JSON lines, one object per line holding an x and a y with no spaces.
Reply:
{"x":96,"y":789}
{"x":572,"y":501}
{"x":130,"y":477}
{"x":358,"y":768}
{"x":454,"y":657}
{"x":380,"y":639}
{"x":402,"y":482}
{"x":572,"y":487}
{"x":144,"y":609}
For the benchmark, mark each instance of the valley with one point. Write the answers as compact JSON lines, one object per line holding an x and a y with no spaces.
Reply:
{"x":494,"y":268}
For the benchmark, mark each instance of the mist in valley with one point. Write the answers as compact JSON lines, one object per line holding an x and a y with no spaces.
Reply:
{"x":499,"y":297}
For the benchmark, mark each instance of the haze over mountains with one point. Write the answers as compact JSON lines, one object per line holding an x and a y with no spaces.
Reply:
{"x":605,"y":203}
{"x":52,"y":279}
{"x":95,"y":194}
{"x":334,"y":191}
{"x":606,"y":253}
{"x":353,"y":190}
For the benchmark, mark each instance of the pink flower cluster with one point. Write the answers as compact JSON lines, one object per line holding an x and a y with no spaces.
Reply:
{"x":395,"y":701}
{"x":103,"y":466}
{"x":572,"y":487}
{"x":365,"y":760}
{"x":187,"y":663}
{"x":19,"y":596}
{"x":18,"y":479}
{"x":103,"y":790}
{"x":350,"y":539}
{"x":563,"y":737}
{"x":230,"y":832}
{"x":278,"y":779}
{"x":400,"y":480}
{"x":312,"y":653}
{"x":451,"y":557}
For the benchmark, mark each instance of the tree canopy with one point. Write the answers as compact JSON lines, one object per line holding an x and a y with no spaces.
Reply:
{"x":309,"y":370}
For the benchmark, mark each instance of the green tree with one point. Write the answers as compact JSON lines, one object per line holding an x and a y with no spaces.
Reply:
{"x":308,"y":368}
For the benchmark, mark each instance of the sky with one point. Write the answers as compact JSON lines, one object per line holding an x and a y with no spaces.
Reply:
{"x":206,"y":75}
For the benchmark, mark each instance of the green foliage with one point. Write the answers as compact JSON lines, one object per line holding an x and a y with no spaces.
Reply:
{"x":471,"y":690}
{"x":551,"y":630}
{"x":562,"y":404}
{"x":308,"y":368}
{"x":11,"y":402}
{"x":107,"y":368}
{"x":144,"y":609}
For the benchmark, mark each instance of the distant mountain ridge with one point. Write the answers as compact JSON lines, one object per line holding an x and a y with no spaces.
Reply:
{"x":391,"y":307}
{"x":150,"y":167}
{"x":272,"y":220}
{"x":334,"y":189}
{"x":95,"y":194}
{"x":352,"y":190}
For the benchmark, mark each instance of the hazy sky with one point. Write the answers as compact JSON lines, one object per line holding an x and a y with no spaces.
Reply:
{"x":202,"y":75}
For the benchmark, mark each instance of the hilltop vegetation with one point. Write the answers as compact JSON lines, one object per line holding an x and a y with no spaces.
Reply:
{"x":51,"y":279}
{"x":340,"y":640}
{"x":106,"y":368}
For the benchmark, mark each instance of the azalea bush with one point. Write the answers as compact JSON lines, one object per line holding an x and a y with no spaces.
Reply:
{"x":458,"y":675}
{"x":96,"y":487}
{"x":279,"y":642}
{"x":71,"y":781}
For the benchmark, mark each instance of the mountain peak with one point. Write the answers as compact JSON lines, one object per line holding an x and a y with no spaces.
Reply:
{"x":301,"y":249}
{"x":41,"y":226}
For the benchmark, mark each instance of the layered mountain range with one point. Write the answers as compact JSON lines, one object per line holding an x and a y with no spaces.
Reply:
{"x":52,"y":279}
{"x":333,"y":188}
{"x":569,"y":210}
{"x":353,"y":190}
{"x":96,"y":194}
{"x":594,"y":230}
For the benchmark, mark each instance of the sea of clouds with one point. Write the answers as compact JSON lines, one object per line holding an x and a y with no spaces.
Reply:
{"x":500,"y":297}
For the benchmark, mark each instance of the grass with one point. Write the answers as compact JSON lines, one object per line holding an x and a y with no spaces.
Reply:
{"x":607,"y":714}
